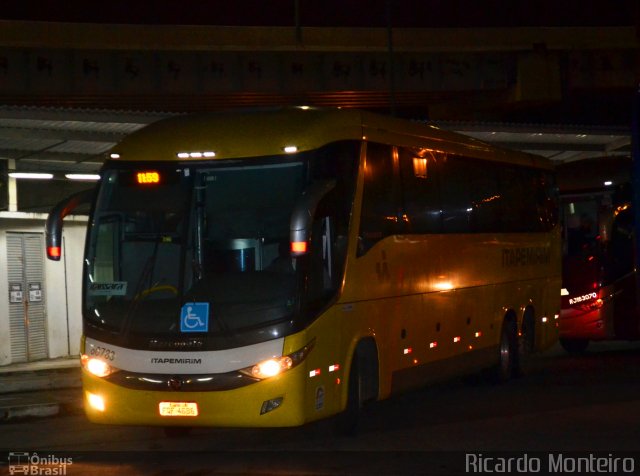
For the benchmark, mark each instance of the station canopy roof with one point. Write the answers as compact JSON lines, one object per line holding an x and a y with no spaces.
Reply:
{"x":75,"y":141}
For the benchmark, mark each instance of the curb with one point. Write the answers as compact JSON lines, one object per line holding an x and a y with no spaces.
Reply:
{"x":37,"y":410}
{"x":39,"y":392}
{"x":30,"y":383}
{"x":10,"y":412}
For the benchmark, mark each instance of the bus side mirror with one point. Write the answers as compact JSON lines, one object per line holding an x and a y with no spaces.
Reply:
{"x":303,"y":213}
{"x":53,"y":226}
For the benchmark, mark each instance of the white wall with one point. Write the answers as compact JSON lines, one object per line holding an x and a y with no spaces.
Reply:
{"x":65,"y":299}
{"x":5,"y":349}
{"x":62,"y":287}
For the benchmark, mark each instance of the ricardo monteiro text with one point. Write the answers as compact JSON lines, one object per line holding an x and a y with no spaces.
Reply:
{"x":166,"y":360}
{"x":553,"y":463}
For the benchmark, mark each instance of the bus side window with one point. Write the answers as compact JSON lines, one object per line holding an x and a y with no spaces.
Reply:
{"x":328,"y":251}
{"x":456,"y":195}
{"x":520,"y":203}
{"x":420,"y":191}
{"x":379,"y":208}
{"x":484,"y":194}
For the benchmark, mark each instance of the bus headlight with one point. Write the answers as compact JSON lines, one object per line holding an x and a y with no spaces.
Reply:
{"x":97,"y":367}
{"x":271,"y":367}
{"x":275,"y":366}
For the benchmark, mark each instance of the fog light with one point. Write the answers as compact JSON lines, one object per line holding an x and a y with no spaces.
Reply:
{"x":270,"y":405}
{"x":95,"y":401}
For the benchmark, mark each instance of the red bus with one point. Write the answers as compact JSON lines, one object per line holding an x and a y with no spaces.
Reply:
{"x":599,"y":297}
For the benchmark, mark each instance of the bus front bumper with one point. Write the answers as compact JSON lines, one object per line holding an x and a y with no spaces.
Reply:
{"x":275,"y":402}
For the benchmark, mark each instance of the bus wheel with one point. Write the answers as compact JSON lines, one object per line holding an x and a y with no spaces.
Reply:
{"x":176,"y":431}
{"x":347,"y":422}
{"x":574,"y":346}
{"x":507,"y":353}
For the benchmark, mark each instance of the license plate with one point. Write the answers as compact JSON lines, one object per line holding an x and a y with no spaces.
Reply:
{"x":179,"y":409}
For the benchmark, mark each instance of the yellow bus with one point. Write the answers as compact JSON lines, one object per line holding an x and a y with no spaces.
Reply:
{"x":272,"y":268}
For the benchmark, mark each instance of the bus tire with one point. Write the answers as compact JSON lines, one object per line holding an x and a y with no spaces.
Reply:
{"x":348,"y":421}
{"x":574,"y":346}
{"x":362,"y":387}
{"x":506,"y":366}
{"x":526,"y":342}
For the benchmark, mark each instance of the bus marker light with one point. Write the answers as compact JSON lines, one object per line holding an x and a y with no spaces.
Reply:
{"x":556,"y":316}
{"x":299,"y":247}
{"x":478,"y":334}
{"x":53,"y":252}
{"x":314,"y":373}
{"x":544,"y":319}
{"x":334,"y":367}
{"x":456,"y":339}
{"x":95,"y":401}
{"x":433,"y":345}
{"x":408,"y":350}
{"x":195,"y":155}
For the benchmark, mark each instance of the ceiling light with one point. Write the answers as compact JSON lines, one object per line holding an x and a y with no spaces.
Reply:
{"x":31,"y":175}
{"x":88,"y":177}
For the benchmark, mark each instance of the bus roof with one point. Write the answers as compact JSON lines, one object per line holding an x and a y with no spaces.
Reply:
{"x":240,"y":134}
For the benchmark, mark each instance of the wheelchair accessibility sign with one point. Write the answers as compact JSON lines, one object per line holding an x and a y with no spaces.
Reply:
{"x":194,"y":317}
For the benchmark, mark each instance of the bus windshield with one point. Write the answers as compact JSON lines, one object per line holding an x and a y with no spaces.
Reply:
{"x":166,"y":236}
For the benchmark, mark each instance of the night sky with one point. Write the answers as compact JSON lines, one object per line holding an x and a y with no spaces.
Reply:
{"x":354,"y":13}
